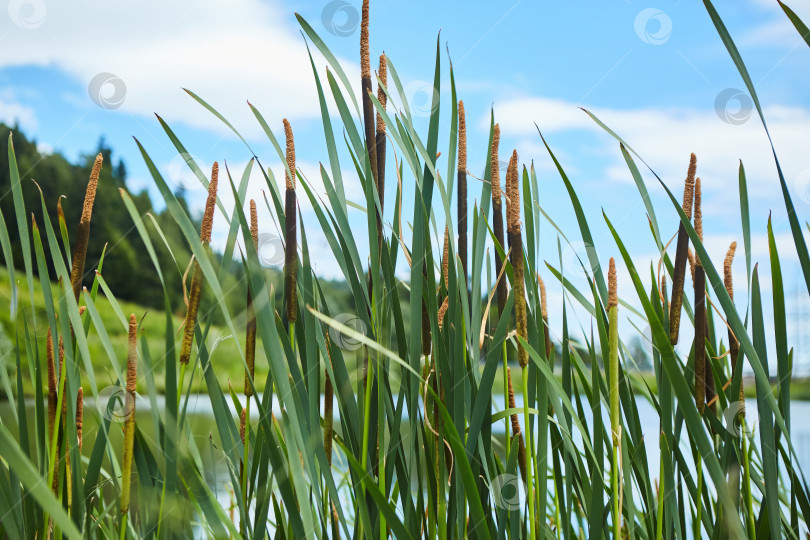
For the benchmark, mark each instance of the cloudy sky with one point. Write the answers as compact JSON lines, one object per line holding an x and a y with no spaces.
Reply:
{"x":655,"y":72}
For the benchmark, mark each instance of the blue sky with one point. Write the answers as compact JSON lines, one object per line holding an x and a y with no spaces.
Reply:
{"x":656,"y":72}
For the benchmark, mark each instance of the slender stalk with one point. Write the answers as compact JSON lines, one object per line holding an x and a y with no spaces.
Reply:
{"x":676,"y":302}
{"x":129,"y":422}
{"x":544,"y":316}
{"x":613,"y":372}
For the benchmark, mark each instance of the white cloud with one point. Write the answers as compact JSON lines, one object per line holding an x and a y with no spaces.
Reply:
{"x":13,"y":113}
{"x":224,"y":53}
{"x":665,"y":138}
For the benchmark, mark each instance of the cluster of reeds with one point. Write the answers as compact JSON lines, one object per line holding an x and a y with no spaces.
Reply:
{"x":417,"y":447}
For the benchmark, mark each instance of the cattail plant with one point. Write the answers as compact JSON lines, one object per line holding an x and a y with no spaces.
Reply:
{"x":497,"y":215}
{"x":613,"y":375}
{"x":290,"y":231}
{"x":700,"y":312}
{"x":83,"y":231}
{"x":733,"y":344}
{"x":516,"y":258}
{"x":129,"y":422}
{"x":365,"y":90}
{"x":680,"y":255}
{"x":197,"y":275}
{"x":382,"y":73}
{"x":446,"y":258}
{"x":462,"y":189}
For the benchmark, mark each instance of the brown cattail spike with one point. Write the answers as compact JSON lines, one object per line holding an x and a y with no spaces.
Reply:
{"x":79,"y":415}
{"x":446,"y":257}
{"x":733,"y":344}
{"x":691,"y":256}
{"x":512,"y":196}
{"x":289,"y":175}
{"x":382,"y":73}
{"x":443,"y":311}
{"x":543,"y":299}
{"x":83,"y":230}
{"x":516,"y":254}
{"x":210,"y":205}
{"x":681,"y":253}
{"x":462,"y":137}
{"x":462,"y":189}
{"x":242,"y":423}
{"x":613,"y":297}
{"x":497,"y":215}
{"x":92,"y":185}
{"x":365,"y":63}
{"x":494,"y":167}
{"x":689,"y":186}
{"x":129,"y":422}
{"x":291,"y":231}
{"x":698,"y":211}
{"x":254,"y":224}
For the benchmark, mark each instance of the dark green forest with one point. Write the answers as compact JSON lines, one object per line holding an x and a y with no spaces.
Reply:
{"x":127,"y":267}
